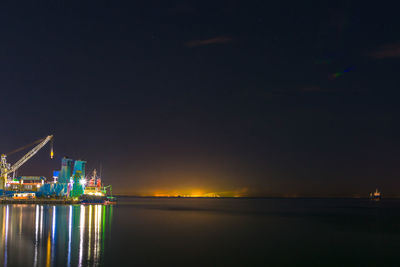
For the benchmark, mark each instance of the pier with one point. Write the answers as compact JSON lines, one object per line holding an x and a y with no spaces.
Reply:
{"x":49,"y":201}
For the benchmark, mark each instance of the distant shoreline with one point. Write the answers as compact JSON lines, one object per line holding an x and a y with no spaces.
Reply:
{"x":265,"y":197}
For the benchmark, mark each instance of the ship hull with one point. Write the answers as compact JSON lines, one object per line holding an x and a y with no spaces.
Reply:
{"x":90,"y":199}
{"x":99,"y":200}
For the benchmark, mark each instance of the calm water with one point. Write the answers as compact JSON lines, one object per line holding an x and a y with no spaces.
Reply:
{"x":203,"y":232}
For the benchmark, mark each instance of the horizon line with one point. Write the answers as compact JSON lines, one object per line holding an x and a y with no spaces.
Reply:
{"x":388,"y":196}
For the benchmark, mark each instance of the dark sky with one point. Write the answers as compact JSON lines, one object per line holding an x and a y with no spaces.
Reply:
{"x":261,"y":98}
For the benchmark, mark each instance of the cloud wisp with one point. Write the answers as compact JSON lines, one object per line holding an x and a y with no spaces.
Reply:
{"x":211,"y":41}
{"x":387,"y":51}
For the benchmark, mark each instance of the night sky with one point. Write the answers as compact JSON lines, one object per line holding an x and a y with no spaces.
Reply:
{"x":239,"y":98}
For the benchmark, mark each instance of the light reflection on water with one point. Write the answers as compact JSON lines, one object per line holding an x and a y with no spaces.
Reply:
{"x":203,"y":232}
{"x":43,"y":235}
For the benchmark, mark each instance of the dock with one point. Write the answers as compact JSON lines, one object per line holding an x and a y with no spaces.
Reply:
{"x":40,"y":201}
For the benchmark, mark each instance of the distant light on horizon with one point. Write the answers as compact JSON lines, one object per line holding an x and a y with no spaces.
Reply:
{"x":197,"y":193}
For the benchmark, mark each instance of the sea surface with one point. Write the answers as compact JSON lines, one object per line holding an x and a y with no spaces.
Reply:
{"x":203,"y":232}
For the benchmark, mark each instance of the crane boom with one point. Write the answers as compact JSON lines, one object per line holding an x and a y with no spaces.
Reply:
{"x":6,"y":168}
{"x":29,"y":155}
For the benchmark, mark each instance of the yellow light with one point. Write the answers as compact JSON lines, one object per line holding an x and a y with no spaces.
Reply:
{"x":188,"y":194}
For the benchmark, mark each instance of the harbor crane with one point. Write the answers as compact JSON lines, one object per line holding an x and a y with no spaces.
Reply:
{"x":6,"y":168}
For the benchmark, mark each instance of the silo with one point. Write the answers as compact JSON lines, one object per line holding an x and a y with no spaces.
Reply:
{"x":80,"y":165}
{"x":66,"y":171}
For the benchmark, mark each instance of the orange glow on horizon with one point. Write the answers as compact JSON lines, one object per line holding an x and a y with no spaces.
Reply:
{"x":185,"y":195}
{"x":198,"y":193}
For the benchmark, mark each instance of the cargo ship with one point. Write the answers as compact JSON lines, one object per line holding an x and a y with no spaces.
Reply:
{"x":95,"y":193}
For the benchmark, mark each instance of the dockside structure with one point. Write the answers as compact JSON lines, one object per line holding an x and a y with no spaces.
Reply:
{"x":69,"y":183}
